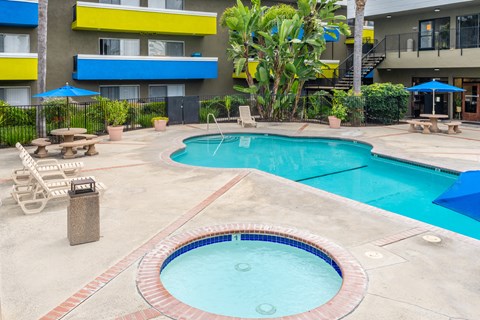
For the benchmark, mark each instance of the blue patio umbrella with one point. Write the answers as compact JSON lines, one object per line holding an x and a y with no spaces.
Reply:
{"x":434,"y":86}
{"x":66,"y":91}
{"x":463,"y":196}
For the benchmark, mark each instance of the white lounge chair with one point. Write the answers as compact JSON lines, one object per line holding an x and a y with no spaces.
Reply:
{"x":47,"y":168}
{"x":246,"y":118}
{"x":34,"y":197}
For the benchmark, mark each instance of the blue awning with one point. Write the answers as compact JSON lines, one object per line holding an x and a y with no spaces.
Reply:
{"x":463,"y":196}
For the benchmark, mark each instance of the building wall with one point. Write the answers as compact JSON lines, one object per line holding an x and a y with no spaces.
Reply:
{"x":384,"y":7}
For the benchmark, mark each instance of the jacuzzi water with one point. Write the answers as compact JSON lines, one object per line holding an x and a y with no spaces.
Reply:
{"x":251,"y":279}
{"x":341,"y":167}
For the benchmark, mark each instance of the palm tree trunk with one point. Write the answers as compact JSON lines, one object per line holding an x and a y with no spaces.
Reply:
{"x":42,"y":62}
{"x":357,"y":45}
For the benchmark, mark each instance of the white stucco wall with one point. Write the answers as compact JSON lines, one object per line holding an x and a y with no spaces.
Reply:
{"x":383,"y":7}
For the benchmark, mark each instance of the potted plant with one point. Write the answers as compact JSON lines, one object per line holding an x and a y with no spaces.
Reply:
{"x":337,"y":114}
{"x":116,"y":113}
{"x":160,"y":123}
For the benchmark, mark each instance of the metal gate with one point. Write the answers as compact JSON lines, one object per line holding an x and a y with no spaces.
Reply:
{"x":183,"y":110}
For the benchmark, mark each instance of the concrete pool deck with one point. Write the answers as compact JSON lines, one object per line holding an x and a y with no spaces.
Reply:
{"x":149,"y":198}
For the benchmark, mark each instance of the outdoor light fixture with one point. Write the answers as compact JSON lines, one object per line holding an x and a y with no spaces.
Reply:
{"x":437,"y":10}
{"x":389,"y":17}
{"x":436,"y":69}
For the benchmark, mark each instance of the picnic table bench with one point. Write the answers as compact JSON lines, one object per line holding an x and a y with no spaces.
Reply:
{"x":86,"y":136}
{"x":41,"y":144}
{"x":453,"y":127}
{"x":69,"y":154}
{"x":424,"y":124}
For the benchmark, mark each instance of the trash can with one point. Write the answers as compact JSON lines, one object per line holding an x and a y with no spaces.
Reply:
{"x":83,"y":212}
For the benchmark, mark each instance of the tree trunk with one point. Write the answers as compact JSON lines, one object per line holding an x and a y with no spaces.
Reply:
{"x":357,"y":46}
{"x":42,"y":62}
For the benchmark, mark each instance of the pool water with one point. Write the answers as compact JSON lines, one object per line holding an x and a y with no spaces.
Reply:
{"x":342,"y":167}
{"x":251,"y":279}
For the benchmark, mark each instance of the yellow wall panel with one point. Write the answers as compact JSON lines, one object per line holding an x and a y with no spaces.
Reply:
{"x":18,"y":68}
{"x":115,"y":20}
{"x":328,"y":70}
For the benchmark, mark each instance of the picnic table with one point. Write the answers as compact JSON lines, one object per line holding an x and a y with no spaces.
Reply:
{"x":433,"y":118}
{"x":68,"y":133}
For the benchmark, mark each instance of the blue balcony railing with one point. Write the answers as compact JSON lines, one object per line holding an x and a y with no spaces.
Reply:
{"x":103,"y":67}
{"x":19,"y":13}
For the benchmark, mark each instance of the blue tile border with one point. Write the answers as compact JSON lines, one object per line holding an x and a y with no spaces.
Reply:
{"x":255,"y":237}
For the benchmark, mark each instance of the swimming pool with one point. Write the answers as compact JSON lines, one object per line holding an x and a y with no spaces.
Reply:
{"x":346,"y":168}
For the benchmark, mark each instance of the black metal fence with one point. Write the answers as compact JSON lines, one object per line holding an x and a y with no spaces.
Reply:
{"x":25,"y":123}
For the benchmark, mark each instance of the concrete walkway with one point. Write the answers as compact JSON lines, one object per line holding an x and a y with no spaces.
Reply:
{"x":149,"y":199}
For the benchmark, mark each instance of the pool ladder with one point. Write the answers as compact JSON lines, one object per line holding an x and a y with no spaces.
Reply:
{"x":215,"y":120}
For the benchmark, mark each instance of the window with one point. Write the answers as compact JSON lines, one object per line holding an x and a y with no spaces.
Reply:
{"x":170,"y":90}
{"x":14,"y":43}
{"x":468,"y":31}
{"x":165,"y":48}
{"x":120,"y":47}
{"x":166,"y":4}
{"x":15,"y":96}
{"x":434,"y":34}
{"x":134,"y":3}
{"x":120,"y":92}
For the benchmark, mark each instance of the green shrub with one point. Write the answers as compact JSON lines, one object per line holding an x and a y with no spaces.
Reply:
{"x":385,"y":102}
{"x":159,"y":108}
{"x":55,"y":111}
{"x":13,"y":134}
{"x":145,"y":120}
{"x":205,"y":111}
{"x":17,"y":116}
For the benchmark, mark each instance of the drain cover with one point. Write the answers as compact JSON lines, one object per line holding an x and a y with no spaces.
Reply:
{"x":374,"y":254}
{"x":243,"y":267}
{"x":431,"y":238}
{"x":266,"y":309}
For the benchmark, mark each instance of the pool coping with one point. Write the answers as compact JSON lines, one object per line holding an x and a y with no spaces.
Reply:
{"x":351,"y":293}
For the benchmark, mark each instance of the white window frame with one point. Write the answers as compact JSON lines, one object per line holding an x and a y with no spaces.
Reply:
{"x":137,"y":4}
{"x":120,"y":39}
{"x":165,"y":5}
{"x":29,"y":95}
{"x":179,"y":41}
{"x":27,"y":50}
{"x":123,"y":85}
{"x":182,"y":85}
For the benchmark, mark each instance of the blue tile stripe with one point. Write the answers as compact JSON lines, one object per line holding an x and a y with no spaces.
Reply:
{"x":255,"y":237}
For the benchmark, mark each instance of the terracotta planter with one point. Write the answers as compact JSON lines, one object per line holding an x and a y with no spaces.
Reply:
{"x":334,"y":122}
{"x":160,"y":125}
{"x":115,"y":133}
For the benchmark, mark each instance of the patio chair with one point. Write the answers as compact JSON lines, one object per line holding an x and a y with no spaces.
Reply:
{"x":34,"y":197}
{"x":246,"y":118}
{"x":47,"y":168}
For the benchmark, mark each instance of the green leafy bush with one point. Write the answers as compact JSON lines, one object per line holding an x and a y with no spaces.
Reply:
{"x":16,"y":116}
{"x":385,"y":102}
{"x":205,"y":111}
{"x":55,"y":111}
{"x":159,"y":108}
{"x":13,"y":134}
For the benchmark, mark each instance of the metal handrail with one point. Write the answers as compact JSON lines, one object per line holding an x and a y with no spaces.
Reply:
{"x":214,"y":119}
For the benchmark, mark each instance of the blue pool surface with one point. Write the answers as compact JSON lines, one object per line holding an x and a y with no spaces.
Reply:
{"x":251,"y":279}
{"x":342,"y":167}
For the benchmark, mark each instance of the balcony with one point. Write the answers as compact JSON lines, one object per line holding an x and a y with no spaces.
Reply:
{"x":368,"y":36}
{"x":118,"y":18}
{"x":101,"y":67}
{"x":19,"y":13}
{"x":18,"y":66}
{"x":328,"y":69}
{"x":451,"y":48}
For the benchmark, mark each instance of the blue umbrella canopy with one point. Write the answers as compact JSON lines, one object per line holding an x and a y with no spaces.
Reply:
{"x":66,"y":91}
{"x":463,"y":196}
{"x":434,"y":86}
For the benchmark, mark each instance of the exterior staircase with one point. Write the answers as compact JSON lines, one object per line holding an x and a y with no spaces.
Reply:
{"x":370,"y":61}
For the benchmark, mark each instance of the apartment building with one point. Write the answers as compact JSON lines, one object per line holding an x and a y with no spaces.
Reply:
{"x":124,"y":49}
{"x":425,"y":40}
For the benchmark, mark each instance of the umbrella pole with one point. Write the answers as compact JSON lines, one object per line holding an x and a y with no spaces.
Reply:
{"x":433,"y":106}
{"x":68,"y":114}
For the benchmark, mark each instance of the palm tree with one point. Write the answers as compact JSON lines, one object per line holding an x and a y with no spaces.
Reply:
{"x":357,"y":45}
{"x":42,"y":62}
